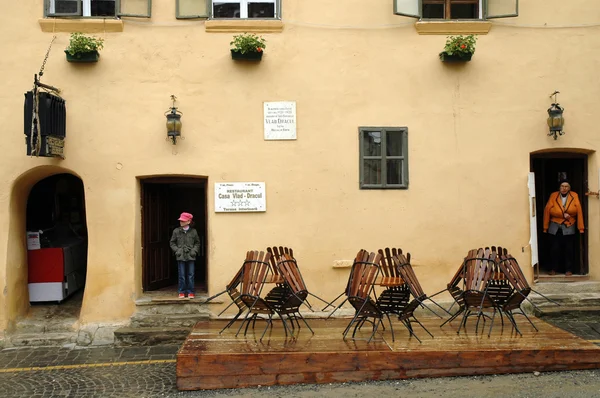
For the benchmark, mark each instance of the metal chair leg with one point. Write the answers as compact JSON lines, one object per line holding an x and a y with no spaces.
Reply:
{"x":231,"y":322}
{"x":336,"y":308}
{"x":424,"y":328}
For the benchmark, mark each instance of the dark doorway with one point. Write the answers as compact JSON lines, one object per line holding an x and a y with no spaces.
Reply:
{"x":549,"y":169}
{"x":56,"y":239}
{"x":163,"y":200}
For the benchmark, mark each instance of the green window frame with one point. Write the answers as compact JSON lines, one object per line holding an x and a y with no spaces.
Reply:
{"x":123,"y":8}
{"x":189,"y":9}
{"x":383,"y":157}
{"x":491,"y":8}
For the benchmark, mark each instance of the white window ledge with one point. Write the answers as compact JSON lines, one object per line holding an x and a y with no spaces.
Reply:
{"x":453,"y":27}
{"x":244,"y":25}
{"x":80,"y":25}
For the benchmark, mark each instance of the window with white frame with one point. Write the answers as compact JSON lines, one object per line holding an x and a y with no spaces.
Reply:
{"x":383,"y":157}
{"x":261,"y":9}
{"x":84,"y":8}
{"x":97,"y":8}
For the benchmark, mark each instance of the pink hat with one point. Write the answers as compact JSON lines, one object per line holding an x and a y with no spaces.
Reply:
{"x":185,"y":217}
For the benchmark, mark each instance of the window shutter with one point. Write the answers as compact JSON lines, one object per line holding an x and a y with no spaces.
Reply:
{"x":501,"y":8}
{"x":192,"y":9}
{"x":63,"y":7}
{"x":135,"y":8}
{"x":408,"y":8}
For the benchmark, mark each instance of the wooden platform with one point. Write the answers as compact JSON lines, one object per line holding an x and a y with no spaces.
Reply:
{"x":208,"y":360}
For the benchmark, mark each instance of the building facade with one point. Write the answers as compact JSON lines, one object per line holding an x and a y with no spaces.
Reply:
{"x":393,"y":148}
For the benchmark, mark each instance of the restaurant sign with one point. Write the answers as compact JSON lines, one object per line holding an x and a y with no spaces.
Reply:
{"x":232,"y":197}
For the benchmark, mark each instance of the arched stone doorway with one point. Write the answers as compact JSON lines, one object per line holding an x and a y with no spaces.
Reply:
{"x":45,"y":198}
{"x":56,"y":239}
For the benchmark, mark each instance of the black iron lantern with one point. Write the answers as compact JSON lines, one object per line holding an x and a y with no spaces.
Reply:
{"x":173,"y":122}
{"x":556,"y":121}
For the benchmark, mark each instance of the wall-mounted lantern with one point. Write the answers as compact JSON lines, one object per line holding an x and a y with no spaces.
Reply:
{"x":556,"y":121}
{"x":173,"y":122}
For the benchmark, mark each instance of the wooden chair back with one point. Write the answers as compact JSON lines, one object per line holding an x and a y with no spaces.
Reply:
{"x":511,"y":269}
{"x":235,"y":282}
{"x":388,"y":268}
{"x":276,"y":253}
{"x":478,"y":269}
{"x":289,"y":270}
{"x":256,"y":270}
{"x":460,"y":273}
{"x":364,"y":273}
{"x":408,"y":275}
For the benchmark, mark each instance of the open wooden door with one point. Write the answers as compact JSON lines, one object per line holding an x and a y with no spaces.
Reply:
{"x":156,"y":254}
{"x":533,"y":237}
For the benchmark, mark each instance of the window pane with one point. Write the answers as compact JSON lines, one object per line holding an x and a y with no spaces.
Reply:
{"x":65,"y":7}
{"x":372,"y":172}
{"x":135,"y":7}
{"x":464,"y":11}
{"x":393,"y":141}
{"x":261,"y":10}
{"x":433,"y":11}
{"x":103,"y":8}
{"x":372,"y":143}
{"x":496,"y":8}
{"x":394,"y":171}
{"x":192,"y":7}
{"x":226,"y":10}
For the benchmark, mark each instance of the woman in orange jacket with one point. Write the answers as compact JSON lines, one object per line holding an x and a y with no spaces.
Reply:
{"x":562,"y":217}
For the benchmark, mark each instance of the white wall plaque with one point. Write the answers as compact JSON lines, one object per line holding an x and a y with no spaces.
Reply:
{"x":232,"y":197}
{"x":280,"y":120}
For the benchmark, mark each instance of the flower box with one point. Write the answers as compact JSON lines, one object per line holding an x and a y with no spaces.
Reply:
{"x":455,"y":57}
{"x":90,"y":56}
{"x":249,"y":56}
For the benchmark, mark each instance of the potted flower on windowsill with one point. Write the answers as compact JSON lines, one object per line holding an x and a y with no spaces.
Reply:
{"x":458,"y":49}
{"x":247,"y":46}
{"x":83,"y":48}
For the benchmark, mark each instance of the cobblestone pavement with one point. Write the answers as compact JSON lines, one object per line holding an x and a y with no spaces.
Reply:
{"x":583,"y":324}
{"x":150,"y":372}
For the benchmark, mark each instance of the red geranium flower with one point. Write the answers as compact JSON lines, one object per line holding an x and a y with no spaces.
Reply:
{"x":463,"y":46}
{"x":259,"y":49}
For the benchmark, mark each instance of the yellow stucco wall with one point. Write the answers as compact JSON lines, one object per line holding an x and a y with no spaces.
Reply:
{"x":346,"y":64}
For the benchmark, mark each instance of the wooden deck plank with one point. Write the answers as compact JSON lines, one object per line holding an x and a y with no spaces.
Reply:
{"x":208,"y":360}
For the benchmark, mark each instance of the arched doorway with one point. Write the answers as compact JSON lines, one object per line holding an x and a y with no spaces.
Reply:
{"x":57,"y":242}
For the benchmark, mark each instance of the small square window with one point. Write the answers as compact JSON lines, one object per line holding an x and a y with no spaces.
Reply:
{"x":383,"y":157}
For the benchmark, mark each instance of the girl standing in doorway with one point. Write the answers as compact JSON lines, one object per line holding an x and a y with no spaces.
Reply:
{"x":185,"y":243}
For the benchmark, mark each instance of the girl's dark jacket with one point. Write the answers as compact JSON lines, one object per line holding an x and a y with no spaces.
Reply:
{"x":185,"y":245}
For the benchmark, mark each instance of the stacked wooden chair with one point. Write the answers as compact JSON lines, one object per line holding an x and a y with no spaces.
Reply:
{"x":511,"y":306}
{"x":407,"y":316}
{"x":278,"y":268}
{"x":276,"y":254}
{"x":363,"y":275}
{"x":478,"y":271}
{"x":256,"y":271}
{"x":394,"y":298}
{"x":295,"y":294}
{"x":232,"y":290}
{"x":455,"y":289}
{"x":492,"y":280}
